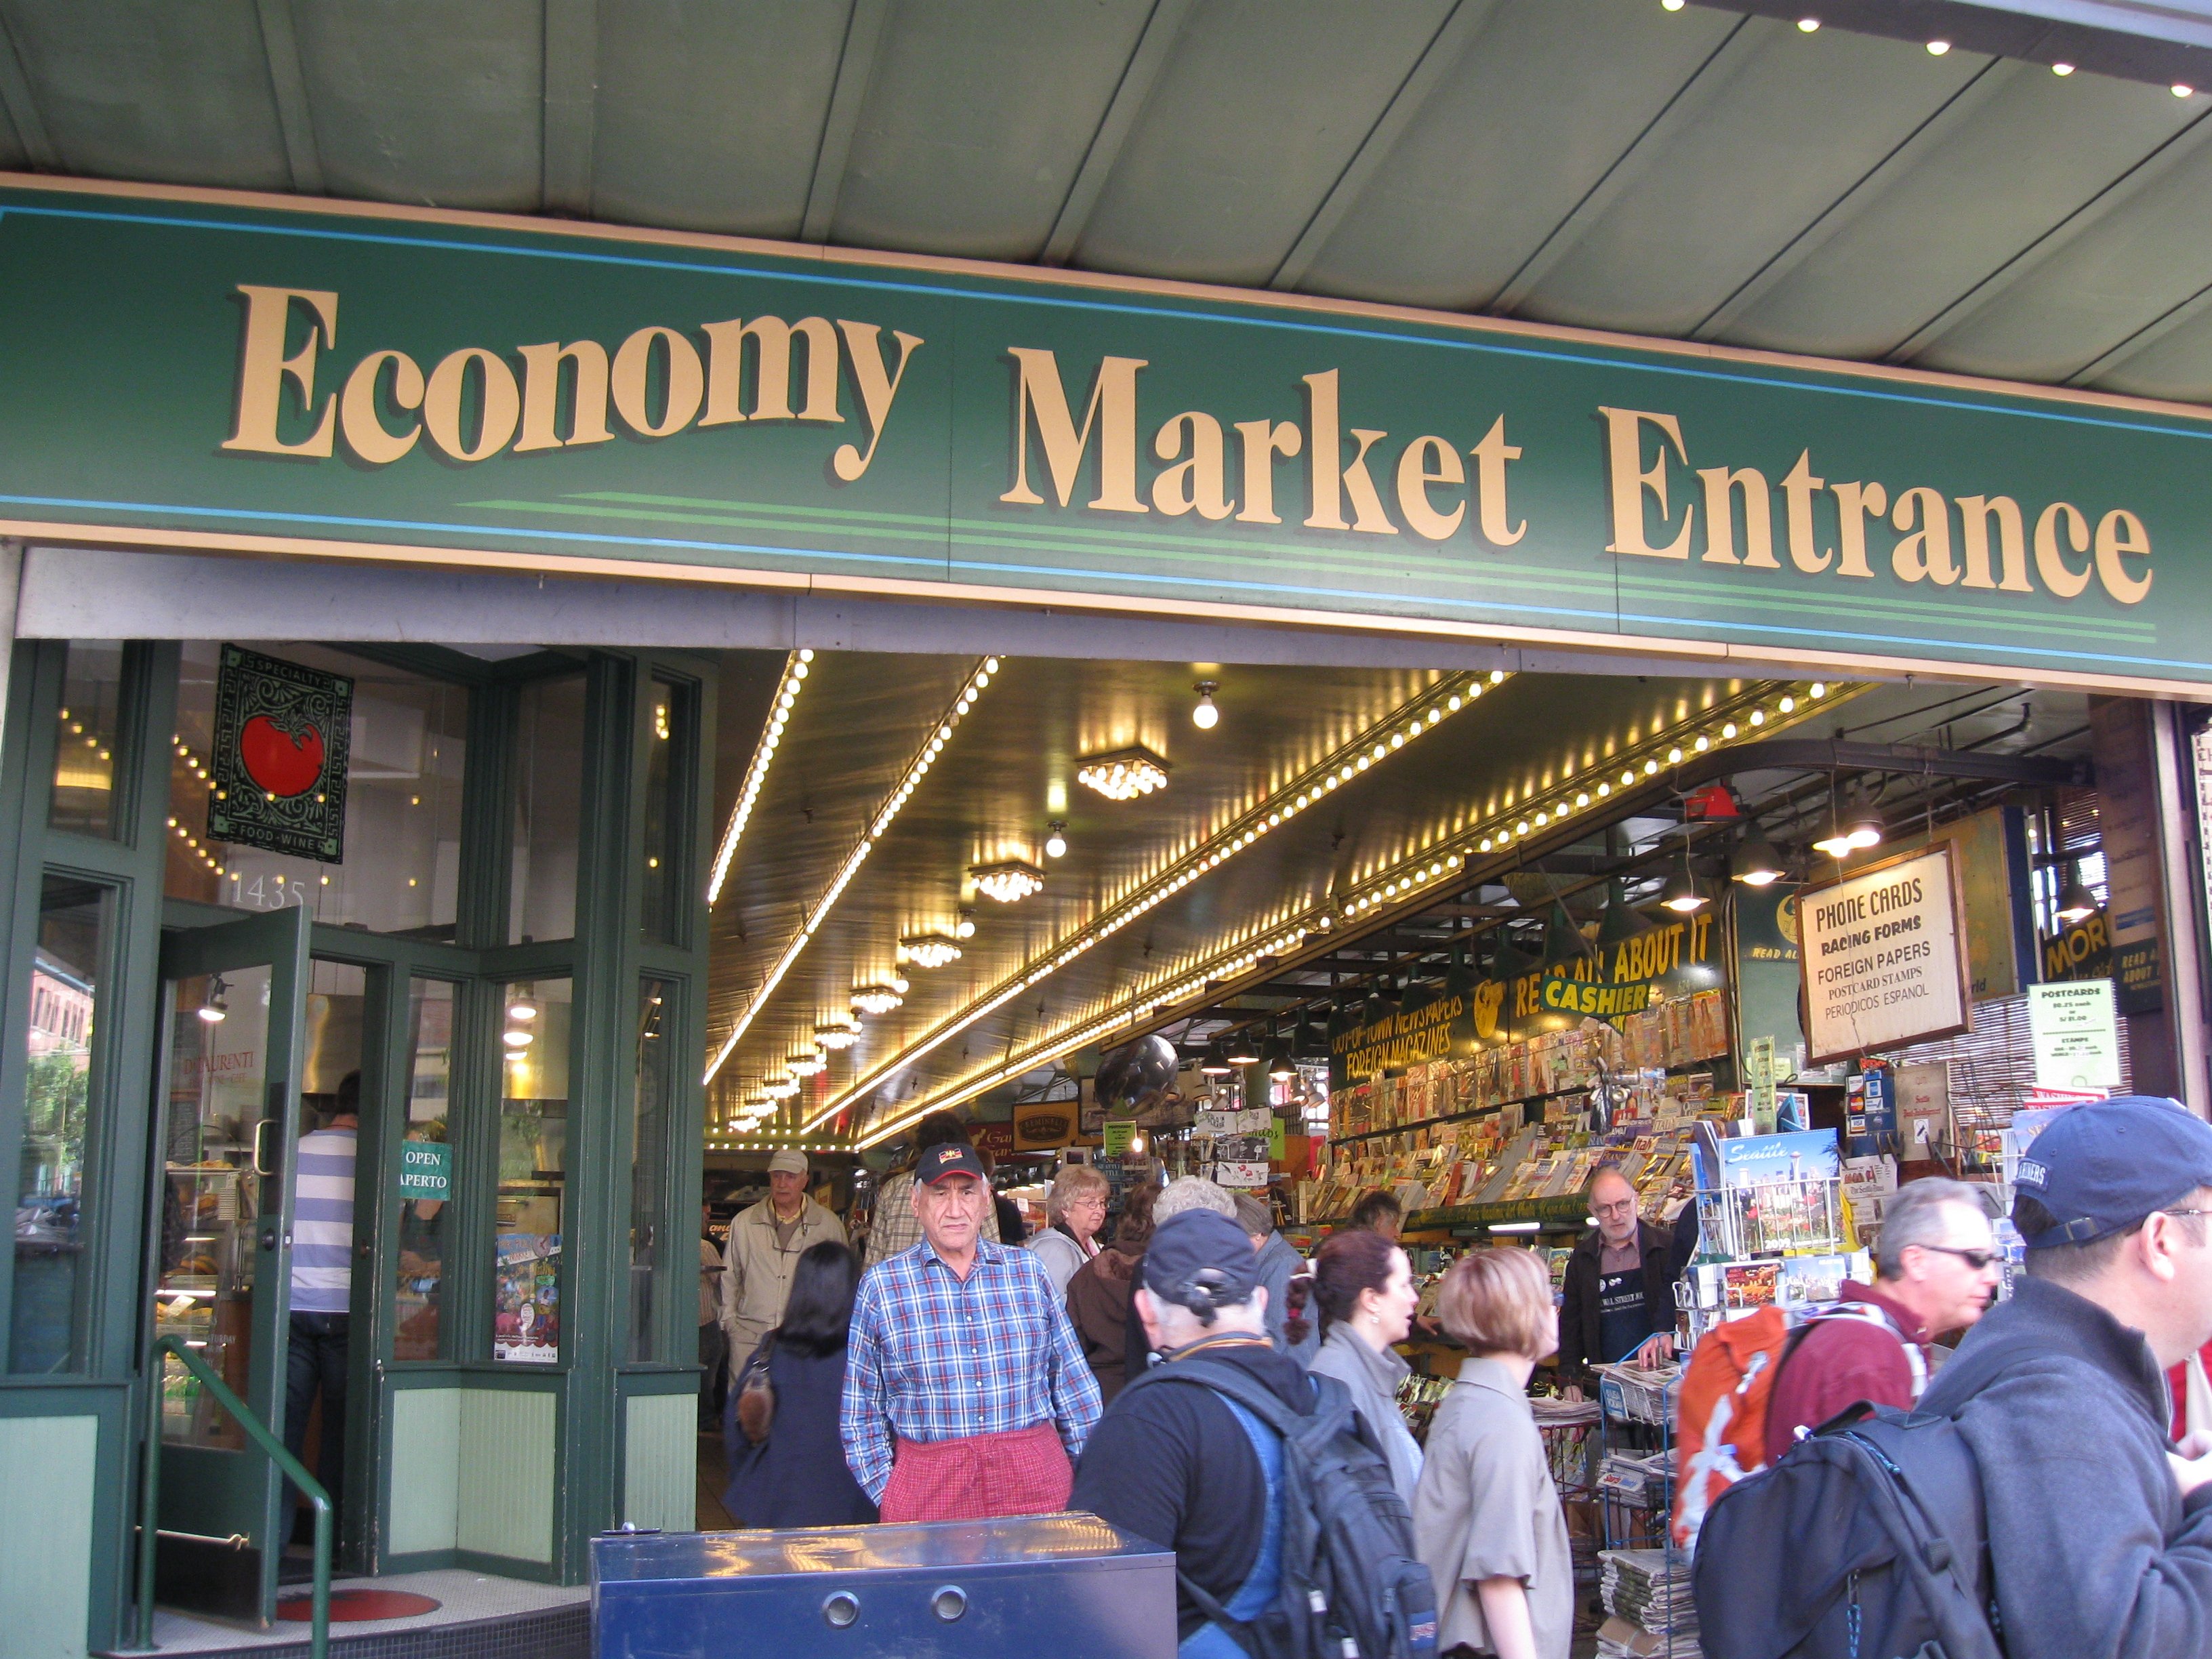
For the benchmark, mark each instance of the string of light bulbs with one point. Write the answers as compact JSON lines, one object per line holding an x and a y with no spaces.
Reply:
{"x":1738,"y":718}
{"x":795,"y":669}
{"x":1376,"y":743}
{"x":916,"y":769}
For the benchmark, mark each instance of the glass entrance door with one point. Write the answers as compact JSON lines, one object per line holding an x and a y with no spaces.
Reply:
{"x":227,"y":1104}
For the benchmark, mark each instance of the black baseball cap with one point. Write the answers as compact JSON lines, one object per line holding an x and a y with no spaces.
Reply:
{"x":1201,"y":1260}
{"x":954,"y":1159}
{"x":2100,"y":1168}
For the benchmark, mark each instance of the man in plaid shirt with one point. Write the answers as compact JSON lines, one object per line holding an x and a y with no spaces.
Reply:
{"x":966,"y":1393}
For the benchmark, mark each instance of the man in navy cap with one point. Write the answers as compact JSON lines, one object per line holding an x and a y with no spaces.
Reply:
{"x":966,"y":1391}
{"x":1182,"y":1465}
{"x":2100,"y":1534}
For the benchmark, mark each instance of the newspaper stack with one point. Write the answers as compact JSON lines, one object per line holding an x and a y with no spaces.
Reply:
{"x":1637,"y":1482}
{"x":1648,"y":1593}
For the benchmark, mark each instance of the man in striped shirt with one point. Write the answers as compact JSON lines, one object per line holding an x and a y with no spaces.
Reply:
{"x":322,"y":1286}
{"x":966,"y":1392}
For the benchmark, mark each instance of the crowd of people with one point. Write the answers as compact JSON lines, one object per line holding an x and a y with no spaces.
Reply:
{"x":963,"y":1375}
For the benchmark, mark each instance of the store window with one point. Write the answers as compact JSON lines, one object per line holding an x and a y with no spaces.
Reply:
{"x":51,"y":1279}
{"x":648,"y":1161}
{"x":400,"y":868}
{"x":213,"y":1158}
{"x":426,"y":1170}
{"x":88,"y":738}
{"x":533,"y":1159}
{"x":549,"y":793}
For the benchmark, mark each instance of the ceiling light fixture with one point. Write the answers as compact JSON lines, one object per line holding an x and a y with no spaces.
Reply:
{"x":876,"y":998}
{"x":795,"y":669}
{"x":1055,"y":842}
{"x":929,"y":950}
{"x":2182,"y":89}
{"x":1937,"y":48}
{"x":523,"y":1003}
{"x":886,"y":814}
{"x":1864,"y":829}
{"x":1205,"y":716}
{"x":1756,"y":864}
{"x":217,"y":1005}
{"x":1123,"y":774}
{"x":837,"y":1033}
{"x":1242,"y":1050}
{"x":1808,"y":25}
{"x":1009,"y":880}
{"x":1682,"y":895}
{"x":2077,"y":902}
{"x":780,"y":1088}
{"x":2062,"y":69}
{"x":804,"y":1062}
{"x":517,"y":1039}
{"x":1215,"y":1063}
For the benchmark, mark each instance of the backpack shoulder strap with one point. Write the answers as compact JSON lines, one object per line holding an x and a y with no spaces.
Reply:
{"x":1234,"y":1383}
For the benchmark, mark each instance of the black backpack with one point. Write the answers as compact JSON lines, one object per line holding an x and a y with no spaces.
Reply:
{"x":1866,"y":1540}
{"x":1351,"y":1587}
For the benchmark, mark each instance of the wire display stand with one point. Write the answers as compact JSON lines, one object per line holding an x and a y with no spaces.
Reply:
{"x":1644,"y":1580}
{"x":1573,"y":1448}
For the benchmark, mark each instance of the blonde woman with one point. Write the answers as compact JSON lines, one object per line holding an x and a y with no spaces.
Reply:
{"x":1076,"y":1210}
{"x":1486,"y":1520}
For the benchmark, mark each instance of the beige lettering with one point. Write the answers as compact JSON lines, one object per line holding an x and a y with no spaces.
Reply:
{"x":771,"y":338}
{"x":877,"y":385}
{"x":499,"y":404}
{"x":1926,"y":552}
{"x":263,"y":368}
{"x":1721,"y":485}
{"x":1799,"y":486}
{"x":2050,"y":563}
{"x":1194,"y":483}
{"x":1629,"y":478}
{"x":365,"y":433}
{"x":1367,"y":514}
{"x":1975,"y":512}
{"x":1112,"y":408}
{"x":1263,"y":440}
{"x":541,"y":396}
{"x":1855,"y":504}
{"x":1491,"y":456}
{"x":681,"y":387}
{"x":2120,"y":535}
{"x":1427,"y":462}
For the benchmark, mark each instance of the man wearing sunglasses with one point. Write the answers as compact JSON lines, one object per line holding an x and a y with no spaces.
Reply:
{"x":1935,"y":1268}
{"x":2099,"y":1536}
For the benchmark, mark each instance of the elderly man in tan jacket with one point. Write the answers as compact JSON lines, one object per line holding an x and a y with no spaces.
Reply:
{"x":766,"y":1242}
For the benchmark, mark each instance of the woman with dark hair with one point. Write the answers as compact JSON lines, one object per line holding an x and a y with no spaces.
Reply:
{"x":787,"y":1456}
{"x":1363,"y":1286}
{"x":1098,"y":1294}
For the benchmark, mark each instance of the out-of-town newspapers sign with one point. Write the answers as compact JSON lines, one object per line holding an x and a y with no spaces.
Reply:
{"x":255,"y":373}
{"x":1883,"y":957}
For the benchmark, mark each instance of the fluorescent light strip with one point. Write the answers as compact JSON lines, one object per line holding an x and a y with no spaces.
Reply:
{"x":1379,"y":742}
{"x":967,"y":1088}
{"x":916,"y":769}
{"x":795,"y":668}
{"x":1802,"y":700}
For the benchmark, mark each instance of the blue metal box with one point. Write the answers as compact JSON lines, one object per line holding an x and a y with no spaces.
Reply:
{"x":1066,"y":1585}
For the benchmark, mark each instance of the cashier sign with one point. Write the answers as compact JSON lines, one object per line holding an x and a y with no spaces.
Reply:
{"x":1883,"y":957}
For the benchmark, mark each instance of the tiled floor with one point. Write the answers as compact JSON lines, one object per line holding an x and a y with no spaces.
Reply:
{"x":463,"y":1597}
{"x":714,"y":1478}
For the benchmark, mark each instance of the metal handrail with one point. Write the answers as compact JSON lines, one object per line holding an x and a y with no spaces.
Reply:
{"x":289,"y":1466}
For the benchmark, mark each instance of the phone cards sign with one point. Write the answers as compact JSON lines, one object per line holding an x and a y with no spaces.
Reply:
{"x":1883,"y":957}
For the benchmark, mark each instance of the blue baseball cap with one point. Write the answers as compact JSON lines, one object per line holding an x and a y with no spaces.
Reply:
{"x":1201,"y":1260}
{"x":2100,"y":1168}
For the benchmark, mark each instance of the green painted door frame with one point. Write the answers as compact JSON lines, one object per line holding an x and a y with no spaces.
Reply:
{"x":608,"y":957}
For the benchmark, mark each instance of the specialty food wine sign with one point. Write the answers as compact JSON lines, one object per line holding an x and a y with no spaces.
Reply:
{"x":282,"y":734}
{"x":1883,"y":957}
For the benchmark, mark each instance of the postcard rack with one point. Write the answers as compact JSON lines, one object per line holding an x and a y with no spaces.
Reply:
{"x":1791,"y":1215}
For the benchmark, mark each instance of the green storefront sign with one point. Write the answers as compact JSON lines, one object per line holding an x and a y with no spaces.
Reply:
{"x":426,"y":1168}
{"x":243,"y":373}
